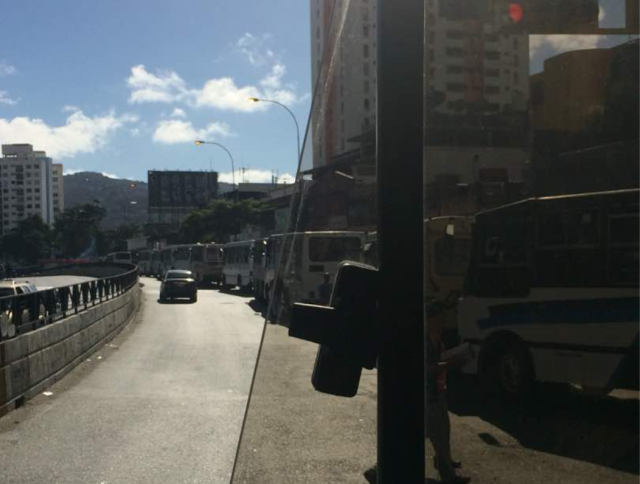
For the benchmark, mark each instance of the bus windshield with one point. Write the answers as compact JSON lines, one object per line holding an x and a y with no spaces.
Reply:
{"x":325,"y":249}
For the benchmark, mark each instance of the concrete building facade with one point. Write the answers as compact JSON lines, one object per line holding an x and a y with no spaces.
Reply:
{"x":26,"y":181}
{"x":58,"y":188}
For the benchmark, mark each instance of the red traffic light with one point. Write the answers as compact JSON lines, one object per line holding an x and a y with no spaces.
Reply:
{"x":516,"y":12}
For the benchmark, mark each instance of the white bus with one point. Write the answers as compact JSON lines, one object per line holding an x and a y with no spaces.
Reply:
{"x":552,"y":293}
{"x":207,"y":263}
{"x":313,"y":255}
{"x":144,"y":262}
{"x":260,"y":269}
{"x":120,"y":257}
{"x":155,"y":263}
{"x":238,"y":265}
{"x":181,"y":257}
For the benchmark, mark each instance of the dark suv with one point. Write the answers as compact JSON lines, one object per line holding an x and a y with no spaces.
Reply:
{"x":178,"y":283}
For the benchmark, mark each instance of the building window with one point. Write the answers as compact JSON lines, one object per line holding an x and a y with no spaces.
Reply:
{"x":455,"y":87}
{"x":365,"y":68}
{"x":37,"y":190}
{"x":366,"y":104}
{"x":365,"y":50}
{"x":492,"y":90}
{"x":365,"y":87}
{"x":492,"y":72}
{"x":516,"y":77}
{"x":454,"y":69}
{"x":365,"y":30}
{"x":492,"y":55}
{"x":515,"y":60}
{"x":453,"y":52}
{"x":37,"y":205}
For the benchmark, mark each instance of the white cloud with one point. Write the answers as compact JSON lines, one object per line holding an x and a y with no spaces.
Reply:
{"x":6,"y":69}
{"x":5,"y":99}
{"x":563,"y":43}
{"x":165,"y":86}
{"x":72,"y":171}
{"x":220,"y":93}
{"x":178,"y":113}
{"x":255,"y":48}
{"x":80,"y":133}
{"x":177,"y":131}
{"x":254,"y":176}
{"x":224,"y":94}
{"x":110,"y":175}
{"x":135,"y":132}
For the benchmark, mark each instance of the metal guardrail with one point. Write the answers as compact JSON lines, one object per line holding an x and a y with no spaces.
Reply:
{"x":22,"y":313}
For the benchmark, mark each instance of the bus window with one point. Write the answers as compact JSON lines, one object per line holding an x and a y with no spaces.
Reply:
{"x":452,"y":258}
{"x":623,"y":250}
{"x":197,"y":253}
{"x":214,"y":253}
{"x":326,"y":249}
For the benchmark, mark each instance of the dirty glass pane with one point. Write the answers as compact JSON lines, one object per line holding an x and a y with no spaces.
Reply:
{"x":292,"y":431}
{"x":531,"y":165}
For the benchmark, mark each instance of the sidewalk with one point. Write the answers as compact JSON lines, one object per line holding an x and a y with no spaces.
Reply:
{"x":294,"y":434}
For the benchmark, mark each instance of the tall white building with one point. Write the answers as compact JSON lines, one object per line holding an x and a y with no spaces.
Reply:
{"x":28,"y":187}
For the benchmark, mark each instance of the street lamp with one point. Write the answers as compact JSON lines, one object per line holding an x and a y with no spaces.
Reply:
{"x":256,"y":100}
{"x":233,"y":169}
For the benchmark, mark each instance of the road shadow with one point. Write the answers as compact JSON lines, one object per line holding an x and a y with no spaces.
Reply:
{"x":258,"y":307}
{"x":209,"y":287}
{"x":243,"y":293}
{"x":558,"y":420}
{"x":176,"y":301}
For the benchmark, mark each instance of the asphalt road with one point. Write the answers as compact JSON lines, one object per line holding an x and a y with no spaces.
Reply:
{"x":294,"y":435}
{"x":163,"y":403}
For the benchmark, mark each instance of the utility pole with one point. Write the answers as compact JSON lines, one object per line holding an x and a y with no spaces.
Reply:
{"x":399,"y":154}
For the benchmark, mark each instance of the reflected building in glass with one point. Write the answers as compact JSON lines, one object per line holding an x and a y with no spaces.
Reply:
{"x":341,"y":158}
{"x":477,"y":95}
{"x":584,"y":118}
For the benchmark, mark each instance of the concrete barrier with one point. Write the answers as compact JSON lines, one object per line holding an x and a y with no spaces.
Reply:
{"x":34,"y":361}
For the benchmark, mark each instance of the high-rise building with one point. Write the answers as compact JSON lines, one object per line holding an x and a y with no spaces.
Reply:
{"x":58,"y":188}
{"x":26,"y":181}
{"x":345,"y":73}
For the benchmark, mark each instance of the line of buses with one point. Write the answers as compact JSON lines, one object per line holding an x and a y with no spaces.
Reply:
{"x":545,"y":289}
{"x":252,"y":264}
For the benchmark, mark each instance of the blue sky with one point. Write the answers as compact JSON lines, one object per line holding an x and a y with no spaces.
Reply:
{"x":125,"y":86}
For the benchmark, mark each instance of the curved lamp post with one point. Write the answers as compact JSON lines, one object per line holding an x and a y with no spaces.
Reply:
{"x":257,"y":100}
{"x":233,"y":169}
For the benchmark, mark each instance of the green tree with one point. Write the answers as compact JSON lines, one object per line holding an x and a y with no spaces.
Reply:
{"x":220,"y":219}
{"x":29,"y":241}
{"x":77,"y":229}
{"x":116,"y":240}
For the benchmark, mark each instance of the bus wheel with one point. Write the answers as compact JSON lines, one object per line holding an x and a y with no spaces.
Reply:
{"x":510,"y":371}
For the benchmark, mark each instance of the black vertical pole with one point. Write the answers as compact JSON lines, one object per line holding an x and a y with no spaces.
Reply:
{"x":400,"y":202}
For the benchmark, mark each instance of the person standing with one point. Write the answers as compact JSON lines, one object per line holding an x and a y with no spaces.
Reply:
{"x":438,"y":425}
{"x":325,"y":289}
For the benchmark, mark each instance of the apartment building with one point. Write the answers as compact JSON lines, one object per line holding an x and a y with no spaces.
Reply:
{"x":344,"y":69}
{"x":27,"y":186}
{"x":58,"y":188}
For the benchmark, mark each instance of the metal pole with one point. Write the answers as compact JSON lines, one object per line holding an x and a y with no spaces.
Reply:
{"x":294,"y":120}
{"x":400,"y":35}
{"x":233,"y":169}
